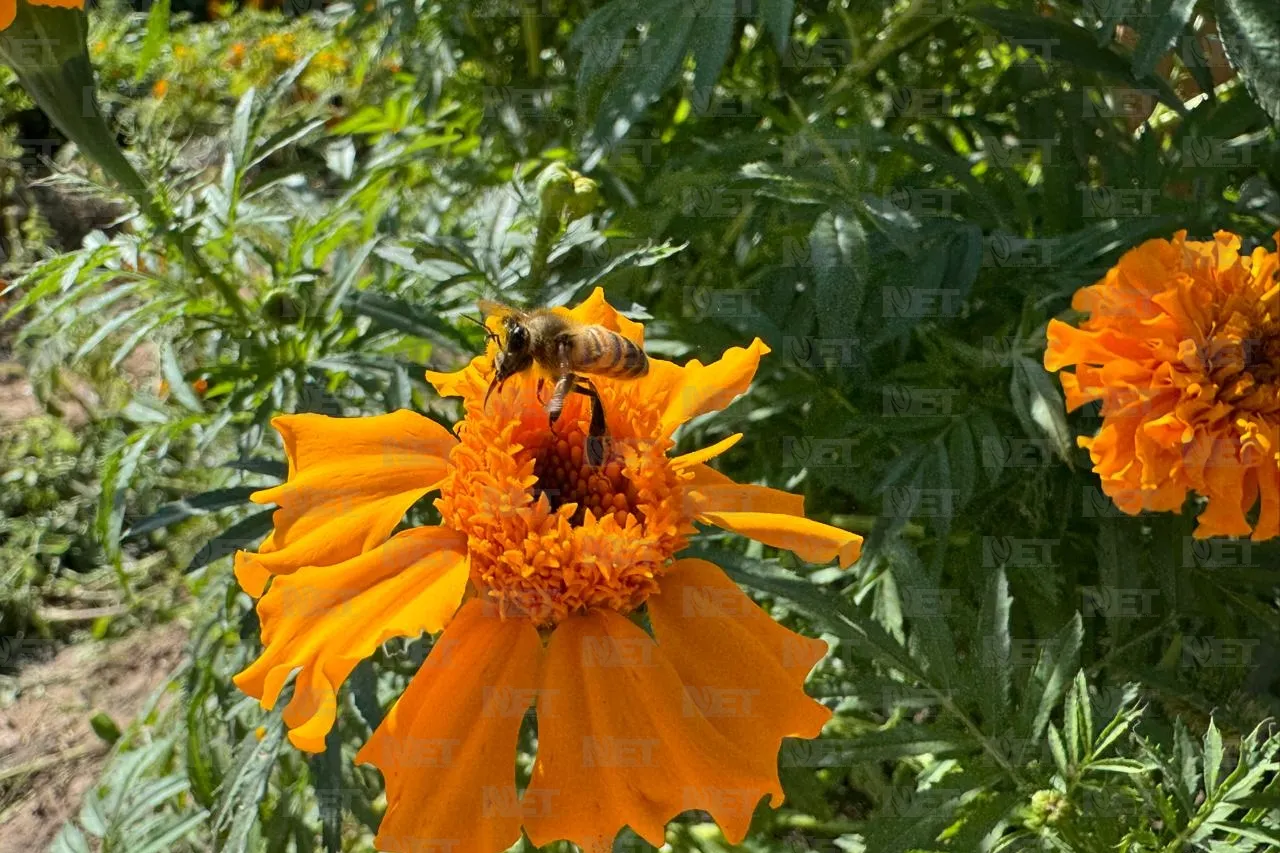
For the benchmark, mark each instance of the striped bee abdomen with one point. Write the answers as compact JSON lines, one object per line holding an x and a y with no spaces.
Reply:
{"x":601,"y":352}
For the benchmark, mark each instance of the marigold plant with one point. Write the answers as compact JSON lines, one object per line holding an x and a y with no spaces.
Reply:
{"x":537,"y":577}
{"x":1182,"y":347}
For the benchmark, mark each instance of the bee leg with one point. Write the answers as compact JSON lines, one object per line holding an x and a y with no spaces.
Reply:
{"x":556,"y":405}
{"x":598,"y":433}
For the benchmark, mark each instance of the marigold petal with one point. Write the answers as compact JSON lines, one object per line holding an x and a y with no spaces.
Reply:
{"x":8,"y":11}
{"x":809,"y":540}
{"x":326,"y":619}
{"x":1224,"y":512}
{"x":447,"y":749}
{"x":386,"y":441}
{"x":700,"y":388}
{"x":351,"y":480}
{"x":742,"y":670}
{"x":706,"y":453}
{"x":616,"y":746}
{"x":711,"y":491}
{"x":468,"y":382}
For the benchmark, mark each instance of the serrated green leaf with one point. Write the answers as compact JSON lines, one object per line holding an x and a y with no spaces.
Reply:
{"x":1251,"y":35}
{"x":1058,"y":751}
{"x":1212,"y":758}
{"x":1157,"y":31}
{"x":1049,"y":679}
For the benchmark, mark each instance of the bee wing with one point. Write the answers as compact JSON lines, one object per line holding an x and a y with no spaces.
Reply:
{"x":489,"y":308}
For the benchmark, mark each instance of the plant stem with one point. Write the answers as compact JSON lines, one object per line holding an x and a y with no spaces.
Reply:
{"x":44,"y":762}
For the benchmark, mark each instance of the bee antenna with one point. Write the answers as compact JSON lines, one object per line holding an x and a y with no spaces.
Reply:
{"x":488,"y":333}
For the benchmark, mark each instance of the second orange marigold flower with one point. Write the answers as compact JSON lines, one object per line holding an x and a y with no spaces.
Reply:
{"x":1182,"y":348}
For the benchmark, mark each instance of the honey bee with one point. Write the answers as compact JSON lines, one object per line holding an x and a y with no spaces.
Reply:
{"x":570,"y":352}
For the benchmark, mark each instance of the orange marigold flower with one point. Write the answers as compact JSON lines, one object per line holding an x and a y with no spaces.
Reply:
{"x":534,"y":576}
{"x":9,"y":8}
{"x":160,"y":89}
{"x":1182,"y":346}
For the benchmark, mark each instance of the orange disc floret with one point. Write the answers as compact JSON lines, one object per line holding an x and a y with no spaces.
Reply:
{"x":549,"y":534}
{"x":1182,"y":349}
{"x":534,"y":579}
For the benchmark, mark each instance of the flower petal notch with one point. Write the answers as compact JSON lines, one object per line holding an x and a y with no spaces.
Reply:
{"x":553,"y":552}
{"x":1182,"y":348}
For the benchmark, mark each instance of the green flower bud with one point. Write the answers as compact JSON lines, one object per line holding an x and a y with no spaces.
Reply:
{"x":282,"y":308}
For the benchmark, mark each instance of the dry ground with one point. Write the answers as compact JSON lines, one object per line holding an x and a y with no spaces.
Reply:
{"x":49,"y":754}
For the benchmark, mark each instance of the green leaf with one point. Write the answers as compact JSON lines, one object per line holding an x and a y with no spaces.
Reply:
{"x":1059,"y":752}
{"x":243,"y":791}
{"x":117,"y":473}
{"x":901,"y":741}
{"x":864,"y":635}
{"x":157,"y":35}
{"x":364,"y":692}
{"x":70,"y":840}
{"x":710,"y":43}
{"x":1039,"y":405}
{"x":238,"y":535}
{"x":1049,"y":679}
{"x":1212,"y":746}
{"x":776,"y":15}
{"x":178,"y":386}
{"x":1078,"y":719}
{"x":346,"y":274}
{"x":1157,"y":31}
{"x":1251,"y":831}
{"x":326,"y":780}
{"x":636,"y":86}
{"x":964,"y":460}
{"x":201,"y":504}
{"x":1251,"y":36}
{"x":1124,"y":766}
{"x":1076,"y":46}
{"x":838,"y":251}
{"x":397,"y":314}
{"x":991,"y":665}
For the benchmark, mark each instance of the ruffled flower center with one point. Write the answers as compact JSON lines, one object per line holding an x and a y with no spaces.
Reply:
{"x":549,"y":535}
{"x":566,"y":478}
{"x":1241,"y":363}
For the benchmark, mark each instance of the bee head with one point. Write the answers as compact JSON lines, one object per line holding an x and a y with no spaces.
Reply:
{"x":516,"y":353}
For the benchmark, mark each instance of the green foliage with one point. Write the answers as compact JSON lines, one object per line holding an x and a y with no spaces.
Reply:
{"x":897,"y":197}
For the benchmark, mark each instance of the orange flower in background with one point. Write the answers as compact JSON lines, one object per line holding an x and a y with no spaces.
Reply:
{"x":9,"y":8}
{"x":537,"y":576}
{"x":160,"y":89}
{"x":1182,"y":346}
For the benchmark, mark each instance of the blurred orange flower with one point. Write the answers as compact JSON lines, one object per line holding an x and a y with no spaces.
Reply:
{"x":1182,"y":346}
{"x":536,"y":576}
{"x":160,"y":89}
{"x":9,"y":8}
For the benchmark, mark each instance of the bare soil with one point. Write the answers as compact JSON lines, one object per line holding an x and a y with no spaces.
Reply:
{"x":49,"y":753}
